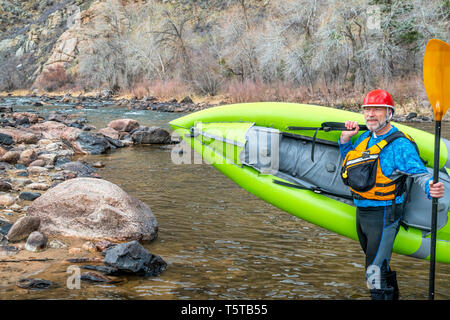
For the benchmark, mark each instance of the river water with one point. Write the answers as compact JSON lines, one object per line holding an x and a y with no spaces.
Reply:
{"x":220,"y":241}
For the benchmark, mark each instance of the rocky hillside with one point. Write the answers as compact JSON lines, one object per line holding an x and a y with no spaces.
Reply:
{"x":29,"y":31}
{"x":278,"y":50}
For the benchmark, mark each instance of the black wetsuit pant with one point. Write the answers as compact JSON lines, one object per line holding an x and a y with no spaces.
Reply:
{"x":377,"y":228}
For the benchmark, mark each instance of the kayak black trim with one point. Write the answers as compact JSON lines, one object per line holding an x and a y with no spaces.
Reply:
{"x":314,"y":189}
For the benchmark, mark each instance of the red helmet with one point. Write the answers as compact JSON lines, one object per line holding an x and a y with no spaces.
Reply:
{"x":379,"y":98}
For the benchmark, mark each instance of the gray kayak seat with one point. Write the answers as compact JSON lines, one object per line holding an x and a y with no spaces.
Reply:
{"x":288,"y":156}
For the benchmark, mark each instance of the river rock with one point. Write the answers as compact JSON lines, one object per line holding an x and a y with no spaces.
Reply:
{"x":27,"y":156}
{"x":29,"y":196}
{"x":77,"y":167}
{"x":126,"y":125}
{"x":110,"y":132}
{"x":7,"y":250}
{"x":37,"y":171}
{"x":15,"y":207}
{"x":75,"y":251}
{"x":114,"y":143}
{"x":92,"y":276}
{"x":134,"y":258}
{"x":5,"y":185}
{"x":20,"y":166}
{"x":38,"y":186}
{"x":58,"y":116}
{"x":34,"y":284}
{"x":23,"y":121}
{"x":57,"y":176}
{"x":49,"y":158}
{"x":20,"y":136}
{"x":4,"y":165}
{"x":93,"y":209}
{"x":102,"y":245}
{"x":6,"y":139}
{"x":90,"y":143}
{"x":103,"y":269}
{"x":5,"y":226}
{"x":146,"y":135}
{"x":38,"y":163}
{"x":98,"y":164}
{"x":57,"y":244}
{"x":23,"y":227}
{"x":29,"y":116}
{"x":89,"y":246}
{"x":6,"y":200}
{"x":49,"y":129}
{"x":55,"y":146}
{"x":67,"y":174}
{"x":20,"y":182}
{"x":2,"y":151}
{"x":11,"y":157}
{"x":187,"y":99}
{"x":36,"y":242}
{"x":44,"y":142}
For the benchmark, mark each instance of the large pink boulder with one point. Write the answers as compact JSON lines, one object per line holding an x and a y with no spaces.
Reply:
{"x":110,"y":132}
{"x":93,"y":209}
{"x":20,"y":135}
{"x":49,"y":129}
{"x":124,"y":125}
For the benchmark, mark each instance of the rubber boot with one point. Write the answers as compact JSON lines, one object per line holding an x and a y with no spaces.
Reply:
{"x":391,"y":279}
{"x":382,"y":294}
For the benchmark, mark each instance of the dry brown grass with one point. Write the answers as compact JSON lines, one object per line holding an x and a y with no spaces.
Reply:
{"x":409,"y":94}
{"x":161,"y":89}
{"x":254,"y":91}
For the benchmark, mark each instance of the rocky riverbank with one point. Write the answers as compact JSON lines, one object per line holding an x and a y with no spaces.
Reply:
{"x":49,"y":202}
{"x":95,"y":100}
{"x":105,"y":98}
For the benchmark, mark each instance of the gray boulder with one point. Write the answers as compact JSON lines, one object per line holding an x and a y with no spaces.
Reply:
{"x":29,"y":196}
{"x":151,"y":135}
{"x":92,"y":143}
{"x":23,"y":227}
{"x":126,"y":125}
{"x":36,"y":242}
{"x":77,"y":167}
{"x":132,"y":257}
{"x":5,"y":226}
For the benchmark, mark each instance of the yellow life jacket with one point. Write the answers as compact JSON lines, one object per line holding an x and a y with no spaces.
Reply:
{"x":361,"y":171}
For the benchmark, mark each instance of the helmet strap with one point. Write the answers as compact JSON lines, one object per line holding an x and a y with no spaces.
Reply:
{"x":388,"y":119}
{"x":391,"y":114}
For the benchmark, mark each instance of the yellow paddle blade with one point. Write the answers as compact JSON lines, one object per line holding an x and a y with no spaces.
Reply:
{"x":436,"y":76}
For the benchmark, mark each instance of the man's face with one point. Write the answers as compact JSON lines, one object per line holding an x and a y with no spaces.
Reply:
{"x":375,"y":117}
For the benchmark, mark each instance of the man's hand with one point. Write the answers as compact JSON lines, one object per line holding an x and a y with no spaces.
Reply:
{"x":436,"y":189}
{"x":347,"y":135}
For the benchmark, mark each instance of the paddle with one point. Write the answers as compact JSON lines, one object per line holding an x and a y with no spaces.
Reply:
{"x":436,"y":78}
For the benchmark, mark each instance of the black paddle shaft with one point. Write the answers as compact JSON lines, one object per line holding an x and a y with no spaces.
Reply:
{"x":329,"y":126}
{"x":434,"y":208}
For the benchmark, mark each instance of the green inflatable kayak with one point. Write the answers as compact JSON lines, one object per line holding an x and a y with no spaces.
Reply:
{"x":276,"y":152}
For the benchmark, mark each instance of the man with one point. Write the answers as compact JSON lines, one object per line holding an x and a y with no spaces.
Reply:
{"x":375,"y":169}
